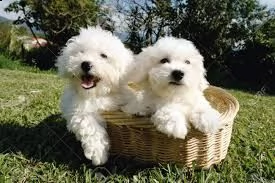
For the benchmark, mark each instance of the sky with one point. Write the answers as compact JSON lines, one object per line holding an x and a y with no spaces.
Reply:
{"x":3,"y":5}
{"x":13,"y":16}
{"x":269,"y":3}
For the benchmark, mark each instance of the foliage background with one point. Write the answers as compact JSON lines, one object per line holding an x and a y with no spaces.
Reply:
{"x":236,"y":37}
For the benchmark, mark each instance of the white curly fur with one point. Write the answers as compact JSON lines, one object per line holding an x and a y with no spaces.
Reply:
{"x":172,"y":104}
{"x":81,"y":106}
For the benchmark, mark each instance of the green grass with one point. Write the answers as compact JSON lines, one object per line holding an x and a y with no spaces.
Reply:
{"x":6,"y":63}
{"x":36,"y":147}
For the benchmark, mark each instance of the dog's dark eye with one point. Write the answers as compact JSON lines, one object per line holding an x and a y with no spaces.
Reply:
{"x":103,"y":55}
{"x":164,"y":60}
{"x":187,"y":61}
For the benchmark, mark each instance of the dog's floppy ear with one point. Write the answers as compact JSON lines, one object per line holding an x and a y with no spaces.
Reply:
{"x":63,"y":57}
{"x":71,"y":40}
{"x":139,"y":69}
{"x":203,"y":83}
{"x":60,"y":63}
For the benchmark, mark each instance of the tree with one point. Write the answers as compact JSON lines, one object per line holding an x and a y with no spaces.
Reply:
{"x":146,"y":21}
{"x":254,"y":65}
{"x":215,"y":26}
{"x":57,"y":19}
{"x":134,"y":40}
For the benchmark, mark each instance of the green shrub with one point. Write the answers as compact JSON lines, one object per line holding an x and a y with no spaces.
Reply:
{"x":17,"y":36}
{"x":42,"y":58}
{"x":5,"y":36}
{"x":7,"y":63}
{"x":12,"y":39}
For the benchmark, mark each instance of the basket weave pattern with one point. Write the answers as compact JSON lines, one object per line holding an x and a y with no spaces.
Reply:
{"x":137,"y":137}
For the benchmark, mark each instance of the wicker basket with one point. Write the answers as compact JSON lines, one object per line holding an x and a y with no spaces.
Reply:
{"x":137,"y":137}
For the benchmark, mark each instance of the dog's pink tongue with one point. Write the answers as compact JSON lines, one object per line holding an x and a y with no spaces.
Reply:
{"x":87,"y":83}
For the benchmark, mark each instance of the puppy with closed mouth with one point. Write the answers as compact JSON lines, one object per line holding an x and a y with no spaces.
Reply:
{"x":94,"y":64}
{"x":172,"y":77}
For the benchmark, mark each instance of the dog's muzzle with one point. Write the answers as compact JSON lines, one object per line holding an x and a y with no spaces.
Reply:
{"x":176,"y":77}
{"x":89,"y":81}
{"x":86,"y":66}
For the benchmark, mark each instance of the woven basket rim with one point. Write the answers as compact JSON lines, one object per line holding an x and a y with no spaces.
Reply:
{"x":142,"y":122}
{"x":232,"y":102}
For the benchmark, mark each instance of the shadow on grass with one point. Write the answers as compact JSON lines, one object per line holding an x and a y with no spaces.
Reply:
{"x":50,"y":141}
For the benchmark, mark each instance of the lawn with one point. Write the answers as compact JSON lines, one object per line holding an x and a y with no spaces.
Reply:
{"x":36,"y":147}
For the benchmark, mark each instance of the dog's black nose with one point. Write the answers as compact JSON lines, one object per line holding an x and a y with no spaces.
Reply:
{"x":86,"y":66}
{"x":177,"y":75}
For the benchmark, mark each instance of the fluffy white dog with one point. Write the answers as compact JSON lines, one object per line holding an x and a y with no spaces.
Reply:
{"x":94,"y":62}
{"x":172,"y":75}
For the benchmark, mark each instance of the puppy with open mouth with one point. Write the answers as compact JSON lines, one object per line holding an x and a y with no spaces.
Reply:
{"x":94,"y":64}
{"x":172,"y":77}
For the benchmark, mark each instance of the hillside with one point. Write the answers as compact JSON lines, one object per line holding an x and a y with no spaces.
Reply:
{"x":3,"y":19}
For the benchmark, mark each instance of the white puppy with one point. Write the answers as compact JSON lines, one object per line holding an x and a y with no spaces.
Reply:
{"x":172,"y":75}
{"x":94,"y":62}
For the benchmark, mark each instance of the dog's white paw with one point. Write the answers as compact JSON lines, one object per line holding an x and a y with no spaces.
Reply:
{"x":173,"y":128}
{"x":96,"y":147}
{"x":207,"y":121}
{"x":170,"y":122}
{"x":98,"y":155}
{"x":180,"y":130}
